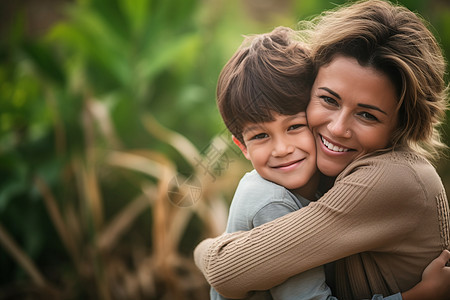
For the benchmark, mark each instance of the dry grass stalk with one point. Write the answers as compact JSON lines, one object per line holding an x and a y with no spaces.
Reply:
{"x":112,"y":232}
{"x":22,"y":259}
{"x":72,"y":221}
{"x":178,"y":224}
{"x":164,"y":273}
{"x":176,"y":140}
{"x":163,"y":245}
{"x":91,"y":188}
{"x":100,"y":113}
{"x":140,"y":163}
{"x":57,"y":220}
{"x":60,"y":133}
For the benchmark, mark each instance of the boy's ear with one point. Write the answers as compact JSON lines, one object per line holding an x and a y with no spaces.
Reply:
{"x":241,"y":146}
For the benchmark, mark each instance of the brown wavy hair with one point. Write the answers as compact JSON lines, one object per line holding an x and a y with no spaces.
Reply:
{"x":391,"y":39}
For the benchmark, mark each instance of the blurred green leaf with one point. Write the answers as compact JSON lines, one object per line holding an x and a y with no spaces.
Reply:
{"x":166,"y":53}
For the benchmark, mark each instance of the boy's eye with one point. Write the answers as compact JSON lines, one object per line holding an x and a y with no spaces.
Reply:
{"x":293,"y":127}
{"x":329,"y":100}
{"x":259,"y":136}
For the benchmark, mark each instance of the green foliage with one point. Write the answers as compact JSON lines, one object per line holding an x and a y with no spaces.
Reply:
{"x":71,"y":98}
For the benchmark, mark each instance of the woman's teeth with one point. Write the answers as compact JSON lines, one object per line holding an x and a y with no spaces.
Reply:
{"x":333,"y":147}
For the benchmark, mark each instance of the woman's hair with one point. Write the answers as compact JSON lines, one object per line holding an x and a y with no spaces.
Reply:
{"x":269,"y":73}
{"x":395,"y":41}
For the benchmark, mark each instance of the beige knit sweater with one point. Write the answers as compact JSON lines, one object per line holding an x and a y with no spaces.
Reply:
{"x":387,"y":216}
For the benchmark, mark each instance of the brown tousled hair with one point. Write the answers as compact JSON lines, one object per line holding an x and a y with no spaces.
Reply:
{"x":269,"y":73}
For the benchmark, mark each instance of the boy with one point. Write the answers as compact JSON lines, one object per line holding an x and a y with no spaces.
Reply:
{"x":262,"y":95}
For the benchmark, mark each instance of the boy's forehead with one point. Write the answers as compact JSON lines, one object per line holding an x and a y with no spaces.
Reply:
{"x":251,"y":126}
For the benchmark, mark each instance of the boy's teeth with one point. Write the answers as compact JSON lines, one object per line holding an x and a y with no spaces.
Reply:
{"x":333,"y":147}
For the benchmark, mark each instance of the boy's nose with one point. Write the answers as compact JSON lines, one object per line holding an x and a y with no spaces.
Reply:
{"x":282,"y":148}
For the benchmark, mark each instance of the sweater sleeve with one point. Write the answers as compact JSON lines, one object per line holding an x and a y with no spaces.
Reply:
{"x":360,"y":213}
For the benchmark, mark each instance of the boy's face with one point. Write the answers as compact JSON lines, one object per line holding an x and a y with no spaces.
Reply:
{"x":282,"y":151}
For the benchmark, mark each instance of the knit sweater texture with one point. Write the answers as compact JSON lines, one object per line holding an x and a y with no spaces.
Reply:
{"x":384,"y":220}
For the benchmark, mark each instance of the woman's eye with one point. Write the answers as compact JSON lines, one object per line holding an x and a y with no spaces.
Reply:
{"x":329,"y":100}
{"x":368,"y":116}
{"x":259,"y":136}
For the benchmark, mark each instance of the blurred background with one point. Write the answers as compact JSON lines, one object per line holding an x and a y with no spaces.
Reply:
{"x":114,"y":162}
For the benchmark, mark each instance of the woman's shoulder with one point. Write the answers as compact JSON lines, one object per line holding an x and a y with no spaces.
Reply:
{"x":403,"y":159}
{"x":400,"y":166}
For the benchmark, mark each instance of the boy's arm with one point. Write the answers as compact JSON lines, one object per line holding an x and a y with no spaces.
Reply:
{"x":309,"y":284}
{"x":272,"y":211}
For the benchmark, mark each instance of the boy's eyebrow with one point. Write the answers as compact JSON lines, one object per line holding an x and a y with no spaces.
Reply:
{"x":296,"y":116}
{"x":359,"y":104}
{"x":251,"y":127}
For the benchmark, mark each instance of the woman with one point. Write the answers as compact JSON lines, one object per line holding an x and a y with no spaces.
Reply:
{"x":377,"y":99}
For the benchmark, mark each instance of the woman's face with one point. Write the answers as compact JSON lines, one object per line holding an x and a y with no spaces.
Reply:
{"x":352,"y":112}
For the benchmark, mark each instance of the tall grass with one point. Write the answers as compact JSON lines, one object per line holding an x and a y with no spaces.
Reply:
{"x":121,"y":199}
{"x":107,"y":264}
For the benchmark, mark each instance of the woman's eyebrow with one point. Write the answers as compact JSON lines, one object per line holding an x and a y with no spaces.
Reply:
{"x":372,"y":107}
{"x":359,"y":104}
{"x":331,"y":92}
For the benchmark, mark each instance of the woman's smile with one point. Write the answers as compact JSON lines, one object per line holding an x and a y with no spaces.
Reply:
{"x":352,"y":112}
{"x":334,"y":147}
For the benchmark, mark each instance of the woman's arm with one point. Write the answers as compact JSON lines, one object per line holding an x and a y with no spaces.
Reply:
{"x":352,"y":217}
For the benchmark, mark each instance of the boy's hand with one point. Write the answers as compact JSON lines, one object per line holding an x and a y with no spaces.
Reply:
{"x":435,"y":282}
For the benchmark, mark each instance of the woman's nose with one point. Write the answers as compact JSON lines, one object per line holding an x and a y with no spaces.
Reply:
{"x":340,"y":125}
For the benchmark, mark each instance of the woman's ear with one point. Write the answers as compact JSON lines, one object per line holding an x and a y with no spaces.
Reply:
{"x":241,"y":146}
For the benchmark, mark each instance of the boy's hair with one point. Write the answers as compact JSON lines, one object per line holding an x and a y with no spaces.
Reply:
{"x":269,"y":73}
{"x":395,"y":41}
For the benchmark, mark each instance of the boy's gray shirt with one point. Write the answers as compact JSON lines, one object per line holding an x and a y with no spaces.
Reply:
{"x":258,"y":201}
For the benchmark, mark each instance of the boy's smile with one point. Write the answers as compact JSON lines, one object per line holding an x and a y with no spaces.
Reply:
{"x":283,"y":151}
{"x":288,"y":165}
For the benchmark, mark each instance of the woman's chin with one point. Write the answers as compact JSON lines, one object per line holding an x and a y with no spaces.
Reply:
{"x":330,"y":168}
